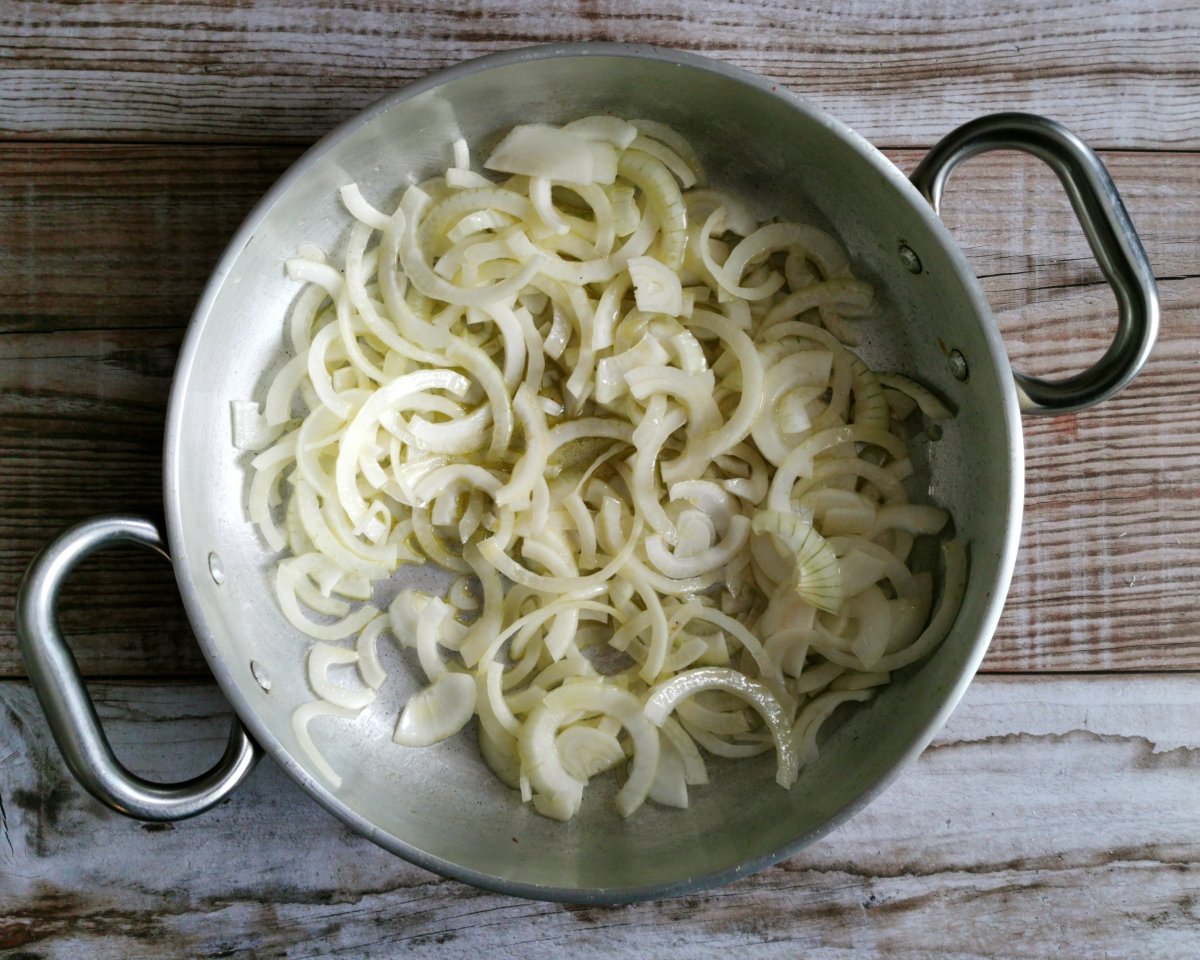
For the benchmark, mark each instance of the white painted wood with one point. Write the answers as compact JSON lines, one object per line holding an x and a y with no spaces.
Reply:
{"x":1051,"y":817}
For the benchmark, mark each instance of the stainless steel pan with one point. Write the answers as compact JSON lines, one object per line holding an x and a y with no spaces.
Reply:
{"x":440,"y":807}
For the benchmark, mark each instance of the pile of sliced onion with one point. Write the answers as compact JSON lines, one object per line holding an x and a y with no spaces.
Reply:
{"x":623,"y":411}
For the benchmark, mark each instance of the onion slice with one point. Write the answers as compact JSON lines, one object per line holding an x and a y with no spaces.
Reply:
{"x":540,"y":760}
{"x":665,"y":697}
{"x":437,"y":712}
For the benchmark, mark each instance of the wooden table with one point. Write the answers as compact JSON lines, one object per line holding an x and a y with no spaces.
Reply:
{"x":1057,"y":814}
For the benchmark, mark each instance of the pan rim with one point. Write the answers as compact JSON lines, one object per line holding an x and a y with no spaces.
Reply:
{"x":223,"y":670}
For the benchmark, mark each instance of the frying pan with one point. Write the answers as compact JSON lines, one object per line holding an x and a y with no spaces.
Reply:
{"x":440,"y":807}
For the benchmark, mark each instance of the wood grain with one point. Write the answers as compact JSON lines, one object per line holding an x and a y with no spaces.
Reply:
{"x":1108,"y":570}
{"x":903,"y":74}
{"x":1054,"y":815}
{"x":107,"y":248}
{"x":104,"y":252}
{"x":1050,"y":815}
{"x":110,"y":237}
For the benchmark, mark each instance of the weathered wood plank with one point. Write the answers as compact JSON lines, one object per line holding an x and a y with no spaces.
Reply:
{"x":1051,"y":815}
{"x":1107,"y":576}
{"x":104,"y":237}
{"x":83,"y":414}
{"x":105,"y":251}
{"x":901,"y":73}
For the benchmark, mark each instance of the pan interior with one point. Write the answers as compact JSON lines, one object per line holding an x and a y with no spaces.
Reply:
{"x":440,"y":806}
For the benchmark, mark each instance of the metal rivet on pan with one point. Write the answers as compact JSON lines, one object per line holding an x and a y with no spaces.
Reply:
{"x":958,"y":365}
{"x":933,"y":431}
{"x":912,"y":263}
{"x":260,"y":675}
{"x":215,"y":568}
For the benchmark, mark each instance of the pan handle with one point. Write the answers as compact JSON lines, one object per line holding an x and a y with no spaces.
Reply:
{"x":1110,"y":234}
{"x":69,"y":710}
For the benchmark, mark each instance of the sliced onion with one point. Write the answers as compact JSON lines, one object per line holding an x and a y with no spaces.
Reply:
{"x":540,"y":150}
{"x":705,"y":561}
{"x":816,"y":576}
{"x":540,"y":760}
{"x":665,"y":697}
{"x":301,"y":718}
{"x":321,"y":657}
{"x":814,"y":714}
{"x":612,"y":130}
{"x":437,"y":712}
{"x":934,"y":408}
{"x":670,"y":782}
{"x":286,"y":576}
{"x":369,"y":666}
{"x":578,"y":388}
{"x":656,"y":286}
{"x":586,"y":751}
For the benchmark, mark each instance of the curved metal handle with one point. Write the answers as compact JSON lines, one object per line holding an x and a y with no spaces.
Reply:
{"x":65,"y":701}
{"x":1109,"y":231}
